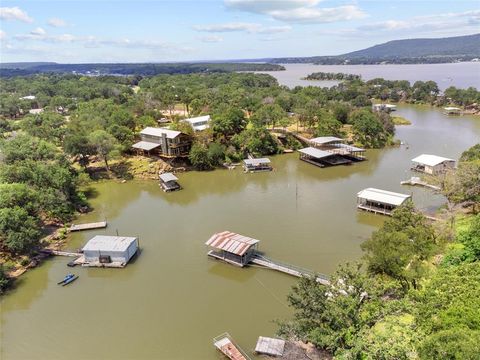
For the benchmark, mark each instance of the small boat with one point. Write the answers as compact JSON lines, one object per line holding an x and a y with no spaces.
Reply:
{"x":70,"y":280}
{"x":66,"y":278}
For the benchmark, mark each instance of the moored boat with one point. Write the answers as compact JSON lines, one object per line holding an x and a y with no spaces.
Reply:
{"x":70,"y":280}
{"x":66,"y":278}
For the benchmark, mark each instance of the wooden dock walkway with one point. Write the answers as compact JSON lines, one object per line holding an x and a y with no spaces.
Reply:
{"x":89,"y":226}
{"x":417,"y":181}
{"x":227,"y":347}
{"x":289,"y":269}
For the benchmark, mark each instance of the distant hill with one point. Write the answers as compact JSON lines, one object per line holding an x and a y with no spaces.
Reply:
{"x":458,"y":48}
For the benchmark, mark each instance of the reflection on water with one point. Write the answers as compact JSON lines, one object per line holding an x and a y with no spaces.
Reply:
{"x":172,"y":294}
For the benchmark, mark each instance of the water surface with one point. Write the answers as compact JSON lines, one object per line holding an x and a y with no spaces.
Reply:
{"x":172,"y":300}
{"x":461,"y":75}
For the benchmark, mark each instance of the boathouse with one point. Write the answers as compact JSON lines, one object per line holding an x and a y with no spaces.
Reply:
{"x":451,"y":110}
{"x":254,"y":165}
{"x":432,"y":164}
{"x":199,"y":123}
{"x":103,"y":249}
{"x":168,"y":182}
{"x":384,"y":107}
{"x":322,"y":158}
{"x":165,"y":142}
{"x":380,"y":201}
{"x":337,"y":146}
{"x":233,"y":248}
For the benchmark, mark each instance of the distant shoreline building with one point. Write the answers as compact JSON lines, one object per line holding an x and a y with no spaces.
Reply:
{"x":199,"y":123}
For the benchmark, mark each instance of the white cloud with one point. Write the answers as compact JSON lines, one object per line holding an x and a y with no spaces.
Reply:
{"x":210,"y":39}
{"x":241,"y":26}
{"x":431,"y":25}
{"x":297,"y":11}
{"x":267,"y":6}
{"x":14,"y":13}
{"x":38,"y":32}
{"x":319,"y":15}
{"x":56,"y":22}
{"x":3,"y":35}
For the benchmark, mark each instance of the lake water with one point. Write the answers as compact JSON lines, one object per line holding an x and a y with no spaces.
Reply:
{"x":461,"y":75}
{"x":172,"y":300}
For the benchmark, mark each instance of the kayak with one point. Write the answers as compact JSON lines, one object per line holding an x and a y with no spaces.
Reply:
{"x":68,"y":276}
{"x":72,"y":279}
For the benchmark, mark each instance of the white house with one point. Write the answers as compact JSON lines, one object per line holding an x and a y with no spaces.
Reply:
{"x":110,"y":249}
{"x":384,"y":107}
{"x":432,"y":164}
{"x":28,"y":97}
{"x":199,"y":123}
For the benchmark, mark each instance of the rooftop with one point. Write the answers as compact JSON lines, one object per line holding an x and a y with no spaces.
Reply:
{"x":451,"y":108}
{"x":430,"y":160}
{"x":198,"y":119}
{"x":145,"y":145}
{"x":171,"y":134}
{"x":231,"y":242}
{"x":326,"y":139}
{"x":166,"y":177}
{"x":270,"y":346}
{"x":316,"y":153}
{"x":108,"y":243}
{"x":256,"y":162}
{"x":383,"y":196}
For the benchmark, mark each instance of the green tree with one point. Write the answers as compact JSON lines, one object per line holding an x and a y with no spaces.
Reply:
{"x":105,"y":145}
{"x":367,"y":129}
{"x":19,"y":232}
{"x":228,"y":121}
{"x":199,"y":157}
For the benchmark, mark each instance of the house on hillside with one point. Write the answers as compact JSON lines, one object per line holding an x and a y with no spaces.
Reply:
{"x":384,"y":107}
{"x":165,"y":142}
{"x":199,"y":123}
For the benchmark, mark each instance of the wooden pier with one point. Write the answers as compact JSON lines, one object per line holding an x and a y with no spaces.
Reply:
{"x":417,"y":181}
{"x":227,"y":347}
{"x":289,"y":269}
{"x":89,"y":226}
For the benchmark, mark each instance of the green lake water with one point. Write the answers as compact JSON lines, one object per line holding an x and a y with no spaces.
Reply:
{"x":172,"y":300}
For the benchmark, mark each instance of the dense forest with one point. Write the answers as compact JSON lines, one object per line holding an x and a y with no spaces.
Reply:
{"x":414,"y":295}
{"x":143,"y":69}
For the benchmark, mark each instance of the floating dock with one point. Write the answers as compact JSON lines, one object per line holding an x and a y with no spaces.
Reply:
{"x":227,"y":347}
{"x":88,"y":226}
{"x":270,"y":346}
{"x":413,"y":181}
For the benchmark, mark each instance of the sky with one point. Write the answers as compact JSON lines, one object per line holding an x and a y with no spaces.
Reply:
{"x":85,"y":31}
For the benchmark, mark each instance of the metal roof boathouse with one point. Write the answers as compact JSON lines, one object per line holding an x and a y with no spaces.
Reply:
{"x":168,"y":182}
{"x":380,"y":201}
{"x":108,"y":251}
{"x":321,"y":158}
{"x":233,"y":248}
{"x":256,"y":165}
{"x":432,"y":164}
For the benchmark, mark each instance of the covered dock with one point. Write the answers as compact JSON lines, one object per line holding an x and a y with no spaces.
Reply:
{"x":451,"y":110}
{"x":322,"y":158}
{"x":432,"y":164}
{"x":233,"y":248}
{"x":169,"y":182}
{"x":380,"y":201}
{"x":256,"y":165}
{"x":108,"y":251}
{"x":337,"y":146}
{"x":384,"y":107}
